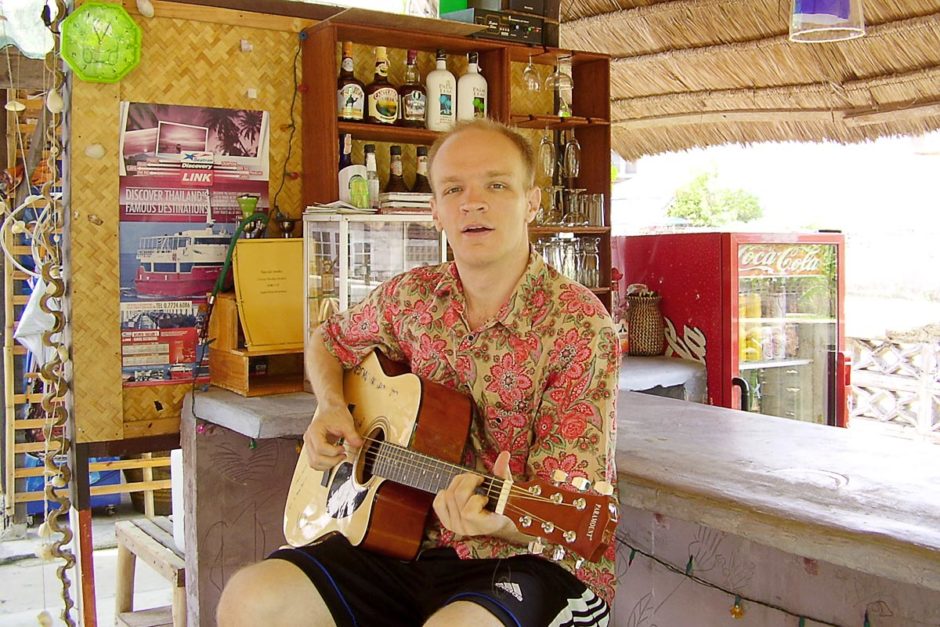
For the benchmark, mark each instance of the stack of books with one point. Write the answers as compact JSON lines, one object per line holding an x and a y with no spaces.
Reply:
{"x":338,"y":206}
{"x":404,"y":202}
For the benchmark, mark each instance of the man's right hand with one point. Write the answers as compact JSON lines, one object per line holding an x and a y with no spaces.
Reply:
{"x":331,"y":431}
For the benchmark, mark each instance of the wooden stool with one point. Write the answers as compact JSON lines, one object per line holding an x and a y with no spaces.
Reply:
{"x":152,"y":541}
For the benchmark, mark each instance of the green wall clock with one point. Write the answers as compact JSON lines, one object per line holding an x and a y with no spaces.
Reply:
{"x":100,"y":42}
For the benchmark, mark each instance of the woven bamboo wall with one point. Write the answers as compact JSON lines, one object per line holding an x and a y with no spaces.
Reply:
{"x":185,"y":62}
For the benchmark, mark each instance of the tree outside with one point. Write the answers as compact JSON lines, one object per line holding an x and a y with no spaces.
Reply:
{"x":703,"y":203}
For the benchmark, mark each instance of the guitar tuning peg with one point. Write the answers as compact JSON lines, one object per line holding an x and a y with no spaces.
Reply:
{"x":559,"y":476}
{"x":558,"y":554}
{"x":604,"y":488}
{"x":536,"y":547}
{"x":578,"y":564}
{"x":580,"y":483}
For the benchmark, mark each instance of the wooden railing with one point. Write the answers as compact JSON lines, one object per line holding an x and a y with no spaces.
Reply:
{"x":896,"y":385}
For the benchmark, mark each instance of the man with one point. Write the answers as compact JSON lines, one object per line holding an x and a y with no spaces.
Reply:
{"x":536,"y":352}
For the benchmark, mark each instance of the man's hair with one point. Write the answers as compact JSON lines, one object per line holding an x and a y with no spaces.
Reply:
{"x":485,"y":124}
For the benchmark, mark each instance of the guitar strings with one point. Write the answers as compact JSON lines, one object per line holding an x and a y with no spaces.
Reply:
{"x":372,"y":454}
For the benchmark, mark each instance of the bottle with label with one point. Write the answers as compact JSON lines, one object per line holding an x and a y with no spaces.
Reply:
{"x":471,"y":91}
{"x":442,"y":92}
{"x":345,"y":150}
{"x":422,"y":184}
{"x":372,"y":176}
{"x":350,"y":92}
{"x":413,"y":98}
{"x":396,"y":183}
{"x":381,"y":97}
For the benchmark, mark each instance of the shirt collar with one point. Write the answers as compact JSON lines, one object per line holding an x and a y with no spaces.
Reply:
{"x":515,"y":313}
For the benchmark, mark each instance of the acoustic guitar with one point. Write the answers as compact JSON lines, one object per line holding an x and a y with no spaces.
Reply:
{"x":415,"y":431}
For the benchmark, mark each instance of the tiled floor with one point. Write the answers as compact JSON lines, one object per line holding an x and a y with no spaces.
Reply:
{"x":30,"y":585}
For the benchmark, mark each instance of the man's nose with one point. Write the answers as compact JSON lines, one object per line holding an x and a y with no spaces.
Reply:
{"x":472,"y":201}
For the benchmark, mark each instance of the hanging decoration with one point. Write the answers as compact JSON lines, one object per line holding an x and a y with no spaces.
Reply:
{"x":820,"y":21}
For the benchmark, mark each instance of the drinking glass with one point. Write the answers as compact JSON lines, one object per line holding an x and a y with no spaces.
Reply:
{"x":571,"y":158}
{"x":559,"y":79}
{"x":530,"y":75}
{"x":547,"y":155}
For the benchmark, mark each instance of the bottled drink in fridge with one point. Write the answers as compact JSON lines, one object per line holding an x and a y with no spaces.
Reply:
{"x":442,"y":92}
{"x":382,"y":98}
{"x":350,"y":92}
{"x":471,"y":91}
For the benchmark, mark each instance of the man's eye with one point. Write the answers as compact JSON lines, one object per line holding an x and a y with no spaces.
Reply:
{"x":498,"y":185}
{"x":451,"y":190}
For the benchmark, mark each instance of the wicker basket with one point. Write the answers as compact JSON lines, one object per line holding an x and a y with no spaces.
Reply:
{"x":645,"y":322}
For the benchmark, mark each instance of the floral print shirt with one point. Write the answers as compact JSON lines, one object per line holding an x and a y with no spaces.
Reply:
{"x":542,"y":375}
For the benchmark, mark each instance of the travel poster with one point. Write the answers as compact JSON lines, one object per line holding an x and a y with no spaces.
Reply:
{"x":182,"y":169}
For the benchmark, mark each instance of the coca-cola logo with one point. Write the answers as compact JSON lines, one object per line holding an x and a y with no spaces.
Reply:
{"x":779,"y":259}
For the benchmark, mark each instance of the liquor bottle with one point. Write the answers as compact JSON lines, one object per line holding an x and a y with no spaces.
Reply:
{"x":442,"y":90}
{"x":471,"y":91}
{"x":372,"y":176}
{"x":350,"y":92}
{"x":396,"y":183}
{"x":422,"y":185}
{"x":382,"y":98}
{"x":345,"y":150}
{"x":413,"y":98}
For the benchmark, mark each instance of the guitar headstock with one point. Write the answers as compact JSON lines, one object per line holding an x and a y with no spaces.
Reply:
{"x":564,"y":514}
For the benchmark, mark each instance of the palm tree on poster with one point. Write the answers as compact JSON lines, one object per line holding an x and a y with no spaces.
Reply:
{"x":224,"y":123}
{"x":249,"y":122}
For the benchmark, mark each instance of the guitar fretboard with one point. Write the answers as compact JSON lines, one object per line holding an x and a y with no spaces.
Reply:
{"x":421,"y":472}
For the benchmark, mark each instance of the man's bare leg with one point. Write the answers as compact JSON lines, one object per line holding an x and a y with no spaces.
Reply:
{"x":463,"y":614}
{"x":273,"y":592}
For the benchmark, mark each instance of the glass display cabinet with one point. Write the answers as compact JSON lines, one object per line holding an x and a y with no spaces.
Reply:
{"x":348,"y":256}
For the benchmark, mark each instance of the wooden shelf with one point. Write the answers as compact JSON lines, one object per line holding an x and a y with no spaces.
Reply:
{"x":555,"y":122}
{"x":577,"y":230}
{"x":388,"y":133}
{"x":600,"y":290}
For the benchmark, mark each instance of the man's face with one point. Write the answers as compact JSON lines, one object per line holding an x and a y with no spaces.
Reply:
{"x":482,"y":198}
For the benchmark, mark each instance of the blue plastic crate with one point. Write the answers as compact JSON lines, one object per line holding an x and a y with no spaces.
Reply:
{"x":107,"y":477}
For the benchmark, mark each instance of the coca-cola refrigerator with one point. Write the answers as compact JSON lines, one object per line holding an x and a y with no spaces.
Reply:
{"x":763,"y":312}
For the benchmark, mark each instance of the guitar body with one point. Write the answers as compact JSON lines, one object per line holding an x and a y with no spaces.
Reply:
{"x":391,"y":405}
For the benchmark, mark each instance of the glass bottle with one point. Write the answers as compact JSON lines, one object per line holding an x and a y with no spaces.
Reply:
{"x":350,"y":92}
{"x":345,"y":150}
{"x":413,"y":99}
{"x":372,"y":176}
{"x":382,"y":98}
{"x":422,"y":184}
{"x":590,"y":273}
{"x":396,"y":183}
{"x":442,"y":89}
{"x":471,"y":91}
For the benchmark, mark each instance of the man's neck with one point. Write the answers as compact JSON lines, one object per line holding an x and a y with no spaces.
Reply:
{"x":486,"y":290}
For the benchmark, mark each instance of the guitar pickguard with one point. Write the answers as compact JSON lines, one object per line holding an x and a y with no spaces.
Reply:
{"x":343,"y":496}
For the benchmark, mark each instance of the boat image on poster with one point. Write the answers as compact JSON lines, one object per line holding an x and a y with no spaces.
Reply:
{"x":186,"y":263}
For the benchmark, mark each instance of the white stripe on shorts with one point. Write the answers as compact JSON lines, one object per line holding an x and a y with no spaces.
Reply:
{"x":589,"y":609}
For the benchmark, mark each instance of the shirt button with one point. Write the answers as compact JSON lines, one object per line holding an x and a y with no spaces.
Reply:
{"x":470,"y":337}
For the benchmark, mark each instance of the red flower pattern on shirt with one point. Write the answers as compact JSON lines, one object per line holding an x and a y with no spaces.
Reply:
{"x":542,"y":375}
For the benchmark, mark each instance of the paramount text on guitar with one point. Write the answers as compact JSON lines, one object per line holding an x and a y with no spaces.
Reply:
{"x":415,"y":432}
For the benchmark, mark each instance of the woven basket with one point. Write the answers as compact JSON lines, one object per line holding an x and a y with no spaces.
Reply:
{"x":645,"y":324}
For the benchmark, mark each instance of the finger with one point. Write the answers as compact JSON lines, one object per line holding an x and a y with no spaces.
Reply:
{"x":501,"y":466}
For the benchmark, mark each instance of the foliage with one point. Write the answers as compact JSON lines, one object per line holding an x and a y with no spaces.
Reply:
{"x":703,"y":204}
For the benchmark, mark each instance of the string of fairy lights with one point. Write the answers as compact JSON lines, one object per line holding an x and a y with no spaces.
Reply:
{"x":739,"y":601}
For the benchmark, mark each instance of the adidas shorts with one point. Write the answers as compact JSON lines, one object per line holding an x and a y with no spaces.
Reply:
{"x":366,"y":589}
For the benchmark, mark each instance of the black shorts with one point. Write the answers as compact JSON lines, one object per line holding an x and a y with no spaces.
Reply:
{"x":366,"y":589}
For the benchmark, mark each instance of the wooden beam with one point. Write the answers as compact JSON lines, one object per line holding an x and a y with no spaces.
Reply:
{"x":892,"y":113}
{"x":23,"y":72}
{"x":762,"y":116}
{"x":286,"y":8}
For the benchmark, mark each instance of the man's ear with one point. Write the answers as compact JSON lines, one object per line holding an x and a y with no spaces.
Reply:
{"x":534,"y":201}
{"x":435,"y":218}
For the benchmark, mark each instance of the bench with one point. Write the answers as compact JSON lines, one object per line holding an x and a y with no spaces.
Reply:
{"x":152,"y":541}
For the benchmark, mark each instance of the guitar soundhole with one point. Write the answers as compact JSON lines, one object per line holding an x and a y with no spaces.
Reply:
{"x":368,"y":455}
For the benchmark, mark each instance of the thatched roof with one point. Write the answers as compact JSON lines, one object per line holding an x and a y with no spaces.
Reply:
{"x":688,"y":73}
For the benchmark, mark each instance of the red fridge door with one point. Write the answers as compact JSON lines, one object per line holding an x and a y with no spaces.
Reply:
{"x":786,"y":327}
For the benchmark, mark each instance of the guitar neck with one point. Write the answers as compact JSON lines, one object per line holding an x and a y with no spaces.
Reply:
{"x":415,"y":470}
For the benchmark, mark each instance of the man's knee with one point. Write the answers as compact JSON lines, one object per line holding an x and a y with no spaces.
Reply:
{"x":272,"y":592}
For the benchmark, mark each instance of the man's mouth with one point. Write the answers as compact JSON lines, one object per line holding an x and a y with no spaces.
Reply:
{"x":475,"y":228}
